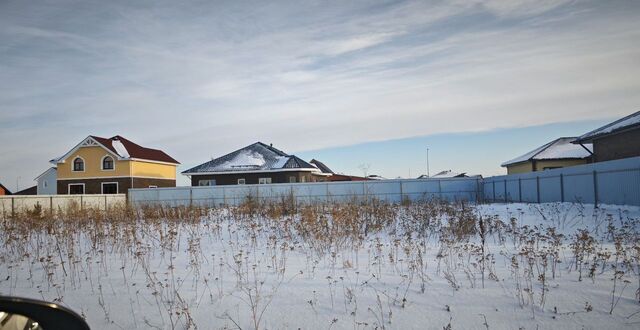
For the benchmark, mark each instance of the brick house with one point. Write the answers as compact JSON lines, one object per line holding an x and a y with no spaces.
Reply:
{"x":99,"y":165}
{"x":4,"y":191}
{"x":257,"y":163}
{"x":616,"y":140}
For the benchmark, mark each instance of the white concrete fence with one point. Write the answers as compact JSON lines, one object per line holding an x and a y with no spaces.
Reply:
{"x":20,"y":203}
{"x":450,"y":189}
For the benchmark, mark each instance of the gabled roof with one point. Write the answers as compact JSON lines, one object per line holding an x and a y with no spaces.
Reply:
{"x":54,"y":169}
{"x":6,"y":191}
{"x":33,"y":190}
{"x":561,"y":148}
{"x":123,"y":148}
{"x":257,"y":157}
{"x":321,"y":166}
{"x":629,"y":122}
{"x":445,"y":174}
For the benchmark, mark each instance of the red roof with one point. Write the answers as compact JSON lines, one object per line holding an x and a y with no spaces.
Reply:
{"x":343,"y":177}
{"x":135,"y":150}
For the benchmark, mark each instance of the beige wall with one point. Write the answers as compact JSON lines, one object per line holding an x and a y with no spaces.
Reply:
{"x":519,"y":168}
{"x":92,"y":165}
{"x":153,"y":170}
{"x":92,"y":157}
{"x":541,"y":164}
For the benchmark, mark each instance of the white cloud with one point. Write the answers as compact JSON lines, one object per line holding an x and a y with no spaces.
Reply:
{"x":202,"y":80}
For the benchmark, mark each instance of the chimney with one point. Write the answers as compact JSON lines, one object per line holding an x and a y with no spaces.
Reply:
{"x":270,"y":144}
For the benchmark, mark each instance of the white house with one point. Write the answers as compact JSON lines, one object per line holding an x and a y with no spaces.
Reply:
{"x":47,"y":182}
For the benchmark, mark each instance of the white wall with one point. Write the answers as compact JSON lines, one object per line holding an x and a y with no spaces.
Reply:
{"x":20,"y":203}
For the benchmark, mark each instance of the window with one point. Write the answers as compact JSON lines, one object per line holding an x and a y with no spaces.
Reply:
{"x":44,"y":183}
{"x":76,"y":188}
{"x":206,"y":183}
{"x":303,"y":179}
{"x":153,"y":186}
{"x":264,"y":180}
{"x":107,"y":163}
{"x":292,"y":179}
{"x":109,"y":187}
{"x":78,"y":165}
{"x":551,"y":168}
{"x":241,"y":181}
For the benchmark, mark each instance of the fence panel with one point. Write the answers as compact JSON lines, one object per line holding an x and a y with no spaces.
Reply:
{"x":317,"y":192}
{"x":612,"y":182}
{"x":618,"y":187}
{"x":550,"y":189}
{"x":21,"y":203}
{"x":513,"y":191}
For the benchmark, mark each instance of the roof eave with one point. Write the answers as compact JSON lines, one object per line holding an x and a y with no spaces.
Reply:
{"x":590,"y":139}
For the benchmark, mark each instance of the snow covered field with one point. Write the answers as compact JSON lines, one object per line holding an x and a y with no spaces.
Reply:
{"x":419,"y":266}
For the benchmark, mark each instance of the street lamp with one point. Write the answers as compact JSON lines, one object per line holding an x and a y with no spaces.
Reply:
{"x":428,"y":162}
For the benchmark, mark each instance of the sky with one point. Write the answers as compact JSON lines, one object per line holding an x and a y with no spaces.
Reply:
{"x":350,"y":82}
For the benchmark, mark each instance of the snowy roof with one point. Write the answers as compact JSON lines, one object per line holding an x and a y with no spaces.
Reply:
{"x":449,"y":174}
{"x":321,"y":166}
{"x":127,"y":149}
{"x":121,"y":147}
{"x":252,"y":158}
{"x":561,"y":148}
{"x":629,"y":122}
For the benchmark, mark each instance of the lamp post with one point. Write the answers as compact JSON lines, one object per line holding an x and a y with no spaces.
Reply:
{"x":428,"y":163}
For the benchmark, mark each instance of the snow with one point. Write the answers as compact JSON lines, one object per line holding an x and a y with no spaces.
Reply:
{"x":211,"y":270}
{"x":447,"y":174}
{"x":120,"y":148}
{"x":558,"y":149}
{"x":632,"y":119}
{"x":280,"y":162}
{"x":244,"y":159}
{"x":564,"y":149}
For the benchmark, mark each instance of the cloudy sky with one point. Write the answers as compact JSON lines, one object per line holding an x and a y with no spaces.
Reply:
{"x":202,"y":78}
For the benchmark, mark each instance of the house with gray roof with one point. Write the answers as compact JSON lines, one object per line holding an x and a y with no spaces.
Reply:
{"x":257,"y":163}
{"x":616,"y":140}
{"x":558,"y":153}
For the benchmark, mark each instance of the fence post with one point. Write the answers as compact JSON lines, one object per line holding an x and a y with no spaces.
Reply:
{"x":13,"y":206}
{"x":561,"y":188}
{"x":538,"y":188}
{"x":224,"y":196}
{"x":494,"y":190}
{"x":326,"y":192}
{"x":401,"y":197}
{"x":520,"y":190}
{"x":191,"y":198}
{"x":51,"y":203}
{"x":81,"y":203}
{"x":105,"y":203}
{"x":505,"y":190}
{"x":595,"y":189}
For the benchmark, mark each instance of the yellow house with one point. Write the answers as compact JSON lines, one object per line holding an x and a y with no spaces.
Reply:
{"x":555,"y":154}
{"x":110,"y":166}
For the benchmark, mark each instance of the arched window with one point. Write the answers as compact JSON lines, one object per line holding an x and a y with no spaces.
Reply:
{"x":78,"y":165}
{"x":107,"y":163}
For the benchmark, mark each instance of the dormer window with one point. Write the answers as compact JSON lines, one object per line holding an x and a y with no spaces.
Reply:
{"x":78,"y":165}
{"x":107,"y":163}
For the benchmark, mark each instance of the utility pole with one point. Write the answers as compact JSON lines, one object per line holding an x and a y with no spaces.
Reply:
{"x":428,"y":163}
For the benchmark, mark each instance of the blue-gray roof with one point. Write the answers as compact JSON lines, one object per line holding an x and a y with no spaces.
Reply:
{"x":631,"y":121}
{"x":254,"y":157}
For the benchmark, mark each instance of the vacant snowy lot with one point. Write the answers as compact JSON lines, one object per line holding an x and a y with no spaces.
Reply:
{"x":281,"y":266}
